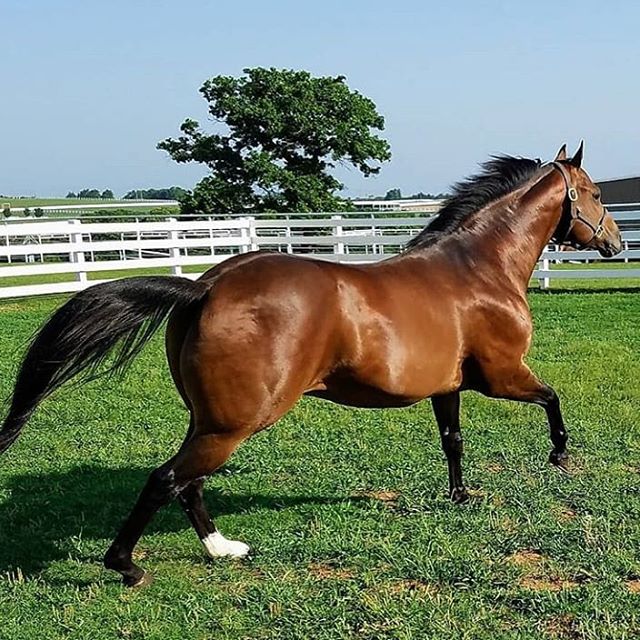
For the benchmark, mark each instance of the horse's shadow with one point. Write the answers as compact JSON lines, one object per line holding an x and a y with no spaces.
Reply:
{"x":44,"y":512}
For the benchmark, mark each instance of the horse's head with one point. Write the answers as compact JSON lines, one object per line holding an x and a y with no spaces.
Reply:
{"x":585,"y":222}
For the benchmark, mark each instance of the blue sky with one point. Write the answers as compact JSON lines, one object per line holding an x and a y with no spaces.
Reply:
{"x":88,"y":88}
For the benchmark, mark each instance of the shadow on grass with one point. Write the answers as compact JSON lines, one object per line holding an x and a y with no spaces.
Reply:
{"x":585,"y":291}
{"x":43,"y":512}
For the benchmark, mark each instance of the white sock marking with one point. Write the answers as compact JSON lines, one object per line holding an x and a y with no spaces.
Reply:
{"x":218,"y":546}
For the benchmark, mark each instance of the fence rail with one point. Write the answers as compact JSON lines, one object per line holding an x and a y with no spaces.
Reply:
{"x":39,"y":249}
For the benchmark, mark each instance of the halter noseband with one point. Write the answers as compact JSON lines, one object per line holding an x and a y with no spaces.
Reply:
{"x":575,"y":214}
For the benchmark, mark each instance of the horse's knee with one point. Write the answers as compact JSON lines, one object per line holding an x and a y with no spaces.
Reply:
{"x":548,"y":398}
{"x":162,"y":486}
{"x":452,"y":443}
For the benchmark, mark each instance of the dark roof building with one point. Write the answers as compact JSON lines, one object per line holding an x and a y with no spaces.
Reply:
{"x":620,"y":190}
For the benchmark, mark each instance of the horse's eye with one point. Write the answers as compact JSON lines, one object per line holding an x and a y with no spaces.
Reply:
{"x":596,"y":196}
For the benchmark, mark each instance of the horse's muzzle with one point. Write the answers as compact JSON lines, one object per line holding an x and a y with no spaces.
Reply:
{"x":611,"y":247}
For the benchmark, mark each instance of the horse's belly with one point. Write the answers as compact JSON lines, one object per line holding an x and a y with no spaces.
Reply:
{"x":360,"y":395}
{"x":380,"y":389}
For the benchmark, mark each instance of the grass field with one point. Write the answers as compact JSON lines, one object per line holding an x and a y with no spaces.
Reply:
{"x":85,"y":202}
{"x":52,"y":202}
{"x":346,"y":510}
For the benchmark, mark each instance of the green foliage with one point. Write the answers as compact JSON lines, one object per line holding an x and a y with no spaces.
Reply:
{"x":283,"y":132}
{"x":71,"y":194}
{"x":172,"y":193}
{"x":38,"y":212}
{"x":26,"y":212}
{"x":89,"y":193}
{"x":428,"y":196}
{"x":393,"y":194}
{"x":6,"y":212}
{"x":346,"y":510}
{"x":107,"y":194}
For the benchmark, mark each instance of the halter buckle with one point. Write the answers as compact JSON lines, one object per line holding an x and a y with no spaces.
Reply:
{"x":572,"y":194}
{"x":599,"y":232}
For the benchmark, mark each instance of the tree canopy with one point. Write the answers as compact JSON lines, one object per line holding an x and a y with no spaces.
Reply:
{"x":393,"y":194}
{"x":279,"y":135}
{"x":171,"y":193}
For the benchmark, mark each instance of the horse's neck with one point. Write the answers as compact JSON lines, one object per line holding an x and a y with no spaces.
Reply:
{"x":516,"y":229}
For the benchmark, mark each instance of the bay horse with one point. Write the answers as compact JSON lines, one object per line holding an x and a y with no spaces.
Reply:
{"x":255,"y":333}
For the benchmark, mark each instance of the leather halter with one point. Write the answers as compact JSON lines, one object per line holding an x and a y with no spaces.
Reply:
{"x":570,"y":204}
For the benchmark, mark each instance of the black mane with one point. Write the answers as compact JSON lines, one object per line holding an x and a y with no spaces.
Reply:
{"x":499,"y":176}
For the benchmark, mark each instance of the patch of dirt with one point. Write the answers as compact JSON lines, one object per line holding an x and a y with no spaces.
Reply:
{"x":507,"y":524}
{"x":633,"y":586}
{"x":539,"y":583}
{"x":535,"y":577}
{"x":498,"y":500}
{"x":565,"y":514}
{"x":494,"y":467}
{"x":389,"y":498}
{"x":324,"y":571}
{"x":398,"y":587}
{"x":564,"y":626}
{"x":527,"y":558}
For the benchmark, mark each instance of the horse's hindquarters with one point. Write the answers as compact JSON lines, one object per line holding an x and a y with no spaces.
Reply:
{"x":265,"y":334}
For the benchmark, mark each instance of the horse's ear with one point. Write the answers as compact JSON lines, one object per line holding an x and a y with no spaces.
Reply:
{"x":562,"y":153}
{"x":576,"y":161}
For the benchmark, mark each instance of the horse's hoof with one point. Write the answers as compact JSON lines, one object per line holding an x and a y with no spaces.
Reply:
{"x":459,"y":495}
{"x":137,"y":581}
{"x":560,"y":460}
{"x":217,"y":546}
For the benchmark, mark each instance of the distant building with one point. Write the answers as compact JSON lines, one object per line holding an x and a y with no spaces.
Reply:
{"x":620,"y":190}
{"x":423,"y":206}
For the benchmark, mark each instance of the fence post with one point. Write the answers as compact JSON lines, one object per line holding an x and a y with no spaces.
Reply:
{"x":545,"y":280}
{"x":287,"y":234}
{"x":338,"y":233}
{"x":253,"y":234}
{"x":176,"y":267}
{"x":8,"y":244}
{"x":245,"y":241}
{"x":77,"y":254}
{"x":212,"y":249}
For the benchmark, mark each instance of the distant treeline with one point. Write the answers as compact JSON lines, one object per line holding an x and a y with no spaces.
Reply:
{"x":396,"y":194}
{"x":95,"y":194}
{"x":170,"y":193}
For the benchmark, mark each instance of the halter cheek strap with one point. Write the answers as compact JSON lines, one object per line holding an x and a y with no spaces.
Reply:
{"x":575,"y":215}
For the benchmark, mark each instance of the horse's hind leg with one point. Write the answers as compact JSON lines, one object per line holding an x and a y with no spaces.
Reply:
{"x":198,"y":457}
{"x":447,"y":411}
{"x":215,"y":544}
{"x":160,"y":489}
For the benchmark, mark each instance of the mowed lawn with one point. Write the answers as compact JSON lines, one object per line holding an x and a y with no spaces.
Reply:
{"x":346,"y":511}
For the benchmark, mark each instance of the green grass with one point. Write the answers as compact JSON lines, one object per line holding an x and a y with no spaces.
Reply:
{"x":51,"y":202}
{"x":346,"y":510}
{"x":106,"y":214}
{"x":15,"y":281}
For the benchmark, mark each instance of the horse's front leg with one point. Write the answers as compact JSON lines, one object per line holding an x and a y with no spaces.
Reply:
{"x":447,"y":412}
{"x":520,"y":383}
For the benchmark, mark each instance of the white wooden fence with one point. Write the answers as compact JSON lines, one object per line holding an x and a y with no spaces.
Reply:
{"x":78,"y":249}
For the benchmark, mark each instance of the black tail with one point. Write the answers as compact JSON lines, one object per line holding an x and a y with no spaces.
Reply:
{"x":84,"y":331}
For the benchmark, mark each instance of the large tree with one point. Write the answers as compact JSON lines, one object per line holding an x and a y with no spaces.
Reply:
{"x":279,"y":135}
